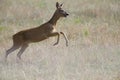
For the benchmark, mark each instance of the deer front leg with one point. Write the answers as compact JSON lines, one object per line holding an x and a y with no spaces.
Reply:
{"x":55,"y":34}
{"x":65,"y":37}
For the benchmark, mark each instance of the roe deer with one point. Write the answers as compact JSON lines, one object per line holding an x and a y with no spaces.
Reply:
{"x":46,"y":30}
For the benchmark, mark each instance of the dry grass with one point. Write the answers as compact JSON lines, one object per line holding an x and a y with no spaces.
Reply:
{"x":93,"y":29}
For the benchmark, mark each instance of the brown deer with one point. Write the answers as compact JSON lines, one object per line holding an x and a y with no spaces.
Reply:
{"x":42,"y":32}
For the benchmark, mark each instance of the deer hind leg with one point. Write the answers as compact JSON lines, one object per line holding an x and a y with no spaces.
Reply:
{"x":17,"y":42}
{"x":23,"y":48}
{"x":65,"y":37}
{"x":13,"y":48}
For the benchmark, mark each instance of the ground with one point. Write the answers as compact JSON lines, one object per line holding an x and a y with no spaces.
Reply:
{"x":93,"y":30}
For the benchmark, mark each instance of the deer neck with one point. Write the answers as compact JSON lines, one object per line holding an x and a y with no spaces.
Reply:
{"x":54,"y":19}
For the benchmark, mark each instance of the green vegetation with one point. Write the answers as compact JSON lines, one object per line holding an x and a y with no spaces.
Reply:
{"x":86,"y":32}
{"x":77,"y":20}
{"x":93,"y":29}
{"x":42,"y":4}
{"x":1,"y":28}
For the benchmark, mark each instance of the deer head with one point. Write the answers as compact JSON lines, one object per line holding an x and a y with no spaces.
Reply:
{"x":60,"y":12}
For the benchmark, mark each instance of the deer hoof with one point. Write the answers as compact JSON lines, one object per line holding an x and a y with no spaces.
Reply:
{"x":55,"y":44}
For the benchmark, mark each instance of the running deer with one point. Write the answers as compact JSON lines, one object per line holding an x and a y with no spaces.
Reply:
{"x":42,"y":32}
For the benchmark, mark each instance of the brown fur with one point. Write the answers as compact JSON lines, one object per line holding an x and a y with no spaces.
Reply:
{"x":46,"y":30}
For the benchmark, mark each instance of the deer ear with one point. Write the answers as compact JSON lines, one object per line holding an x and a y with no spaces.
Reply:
{"x":57,"y":5}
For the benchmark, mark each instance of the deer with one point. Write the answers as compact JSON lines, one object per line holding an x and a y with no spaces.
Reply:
{"x":23,"y":38}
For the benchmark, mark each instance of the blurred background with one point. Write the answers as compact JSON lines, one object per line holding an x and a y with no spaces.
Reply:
{"x":93,"y":30}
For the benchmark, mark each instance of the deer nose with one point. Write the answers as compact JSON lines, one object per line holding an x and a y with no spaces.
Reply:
{"x":67,"y":14}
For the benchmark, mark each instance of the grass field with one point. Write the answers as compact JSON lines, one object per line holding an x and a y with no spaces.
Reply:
{"x":93,"y":30}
